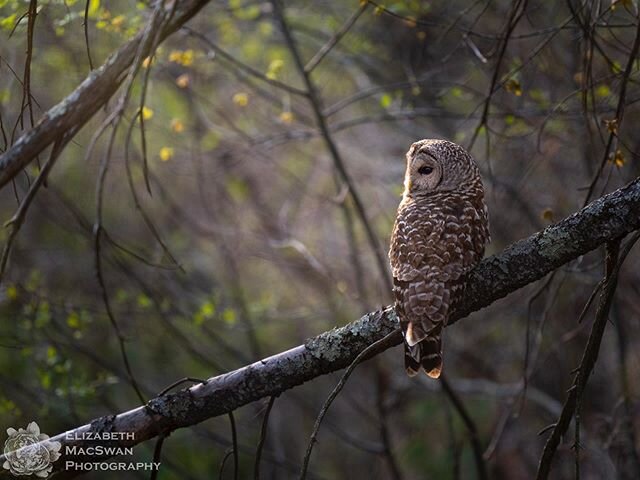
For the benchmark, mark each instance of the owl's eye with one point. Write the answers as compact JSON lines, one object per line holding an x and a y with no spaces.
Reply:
{"x":425,"y":170}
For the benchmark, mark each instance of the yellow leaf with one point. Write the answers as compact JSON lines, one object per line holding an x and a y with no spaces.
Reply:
{"x":166,"y":153}
{"x":146,"y":62}
{"x":182,"y":57}
{"x":147,"y":113}
{"x":183,"y":80}
{"x":274,"y":69}
{"x":286,"y":117}
{"x":177,"y":125}
{"x":94,"y":7}
{"x":547,"y":214}
{"x":241,"y":99}
{"x":187,"y":57}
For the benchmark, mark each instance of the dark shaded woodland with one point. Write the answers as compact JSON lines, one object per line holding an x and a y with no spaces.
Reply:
{"x":190,"y":187}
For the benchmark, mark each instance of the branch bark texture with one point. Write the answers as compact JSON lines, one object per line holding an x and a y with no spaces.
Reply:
{"x":525,"y":261}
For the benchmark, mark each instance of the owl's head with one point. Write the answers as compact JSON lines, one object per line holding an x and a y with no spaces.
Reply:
{"x":438,"y":166}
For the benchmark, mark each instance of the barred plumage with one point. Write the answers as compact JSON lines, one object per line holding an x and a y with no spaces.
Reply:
{"x":440,"y":234}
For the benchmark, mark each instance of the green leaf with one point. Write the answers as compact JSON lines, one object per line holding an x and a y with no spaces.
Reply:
{"x":73,"y":320}
{"x":385,"y":101}
{"x":229,"y":316}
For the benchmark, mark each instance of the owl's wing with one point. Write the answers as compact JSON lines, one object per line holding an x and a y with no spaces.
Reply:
{"x":412,"y":244}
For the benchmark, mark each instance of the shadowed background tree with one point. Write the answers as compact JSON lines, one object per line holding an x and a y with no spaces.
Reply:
{"x":225,"y":189}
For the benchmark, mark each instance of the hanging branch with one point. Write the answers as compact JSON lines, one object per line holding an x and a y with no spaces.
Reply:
{"x":589,"y":357}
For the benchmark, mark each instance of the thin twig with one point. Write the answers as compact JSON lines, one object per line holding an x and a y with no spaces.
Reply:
{"x":243,"y":66}
{"x":333,"y":41}
{"x":18,"y":218}
{"x":85,"y":26}
{"x":590,"y":355}
{"x":517,"y":11}
{"x":370,"y":350}
{"x":613,"y":134}
{"x":224,"y":461}
{"x":630,"y":465}
{"x":157,"y":452}
{"x":263,"y":438}
{"x":384,"y":427}
{"x":338,"y":161}
{"x":470,"y":425}
{"x":180,"y":382}
{"x":136,"y":200}
{"x":234,"y":440}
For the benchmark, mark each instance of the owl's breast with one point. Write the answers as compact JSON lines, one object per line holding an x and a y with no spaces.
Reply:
{"x":440,"y":236}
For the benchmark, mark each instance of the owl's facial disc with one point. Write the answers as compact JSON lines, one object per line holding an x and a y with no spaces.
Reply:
{"x":424,"y":173}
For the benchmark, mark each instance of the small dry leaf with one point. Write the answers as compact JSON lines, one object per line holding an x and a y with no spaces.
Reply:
{"x":513,"y":86}
{"x":177,"y":125}
{"x":617,"y":158}
{"x":118,"y":21}
{"x":612,"y":125}
{"x":286,"y":117}
{"x":183,"y":80}
{"x":410,"y":22}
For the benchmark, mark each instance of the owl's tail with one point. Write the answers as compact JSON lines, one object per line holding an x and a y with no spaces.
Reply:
{"x":425,"y":355}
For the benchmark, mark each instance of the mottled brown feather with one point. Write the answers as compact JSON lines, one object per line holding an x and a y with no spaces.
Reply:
{"x":438,"y":237}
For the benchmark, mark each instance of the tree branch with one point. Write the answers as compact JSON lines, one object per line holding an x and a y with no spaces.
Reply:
{"x":525,"y":261}
{"x":81,"y":104}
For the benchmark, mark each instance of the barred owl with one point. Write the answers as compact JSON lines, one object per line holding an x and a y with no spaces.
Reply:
{"x":439,"y":235}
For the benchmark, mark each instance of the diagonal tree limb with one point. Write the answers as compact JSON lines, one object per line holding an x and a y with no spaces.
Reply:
{"x":525,"y":261}
{"x":95,"y":91}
